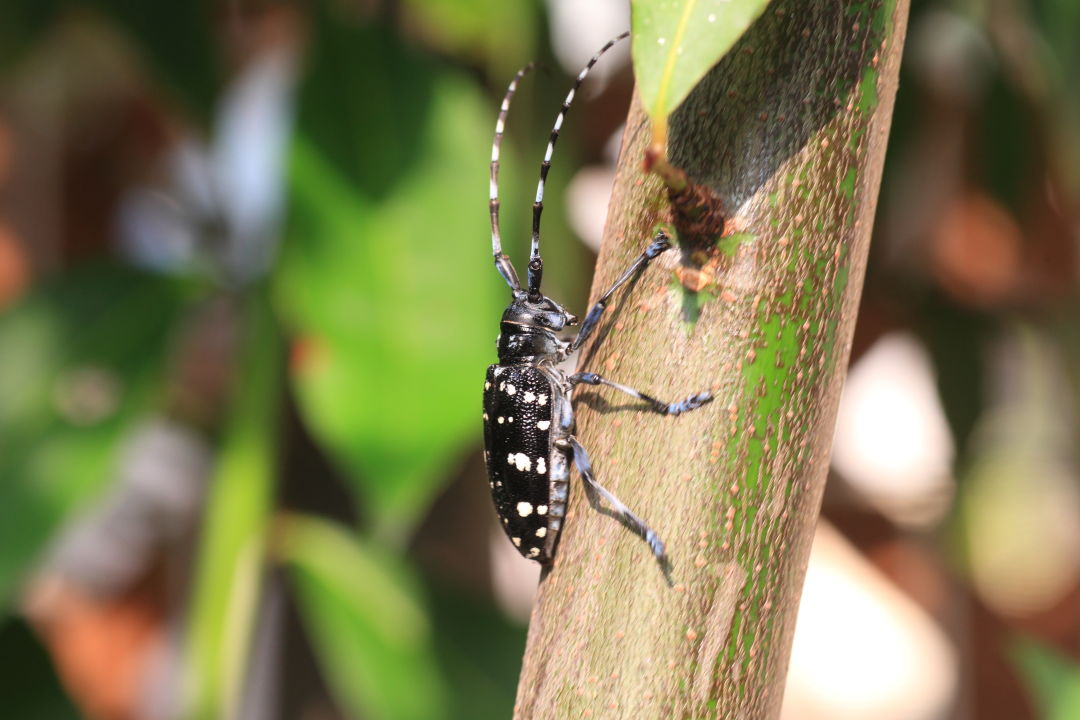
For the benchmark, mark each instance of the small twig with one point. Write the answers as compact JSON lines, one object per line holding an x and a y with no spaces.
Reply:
{"x":698,"y":211}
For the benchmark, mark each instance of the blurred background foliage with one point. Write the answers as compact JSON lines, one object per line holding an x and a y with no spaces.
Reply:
{"x":246,"y":298}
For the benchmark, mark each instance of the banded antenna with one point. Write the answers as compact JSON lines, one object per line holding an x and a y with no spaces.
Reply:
{"x":502,"y":261}
{"x":536,"y":264}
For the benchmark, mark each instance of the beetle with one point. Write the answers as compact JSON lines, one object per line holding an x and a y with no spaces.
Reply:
{"x":528,"y":409}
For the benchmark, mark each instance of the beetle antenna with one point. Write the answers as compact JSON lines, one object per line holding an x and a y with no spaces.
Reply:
{"x":502,"y":261}
{"x":536,"y":265}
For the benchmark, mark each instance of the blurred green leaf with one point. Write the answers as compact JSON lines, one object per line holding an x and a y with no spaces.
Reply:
{"x":228,"y":576}
{"x":80,"y":363}
{"x":1054,"y":680}
{"x":180,"y":41}
{"x":1016,"y":490}
{"x":177,"y":39}
{"x":955,"y":337}
{"x":386,"y":276}
{"x":21,"y":24}
{"x":1009,"y":139}
{"x":675,"y":42}
{"x":365,"y":104}
{"x":371,"y":635}
{"x":480,"y":652}
{"x":1058,"y":25}
{"x":493,"y":33}
{"x":28,"y":681}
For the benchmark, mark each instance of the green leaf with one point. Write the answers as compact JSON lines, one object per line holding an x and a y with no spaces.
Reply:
{"x":675,"y":42}
{"x":176,"y":41}
{"x":80,"y":363}
{"x":22,"y":23}
{"x":386,"y":276}
{"x":480,"y":652}
{"x":180,"y":43}
{"x":28,"y":681}
{"x":494,"y":33}
{"x":371,"y":635}
{"x":1054,"y":679}
{"x":230,"y":565}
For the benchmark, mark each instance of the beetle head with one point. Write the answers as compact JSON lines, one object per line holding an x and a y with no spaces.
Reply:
{"x":541,"y":314}
{"x":528,"y":329}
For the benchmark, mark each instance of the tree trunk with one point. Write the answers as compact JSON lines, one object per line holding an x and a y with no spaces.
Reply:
{"x":790,"y":131}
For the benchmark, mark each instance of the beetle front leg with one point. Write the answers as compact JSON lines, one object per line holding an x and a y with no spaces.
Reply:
{"x":677,"y":408}
{"x":660,"y":243}
{"x":594,"y":491}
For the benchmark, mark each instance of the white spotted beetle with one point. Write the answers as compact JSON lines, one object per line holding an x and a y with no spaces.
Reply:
{"x":528,"y":412}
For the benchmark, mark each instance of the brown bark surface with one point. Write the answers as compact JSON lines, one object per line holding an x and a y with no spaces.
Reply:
{"x":790,"y":131}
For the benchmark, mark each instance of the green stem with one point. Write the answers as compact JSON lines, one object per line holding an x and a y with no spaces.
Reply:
{"x":231,"y":561}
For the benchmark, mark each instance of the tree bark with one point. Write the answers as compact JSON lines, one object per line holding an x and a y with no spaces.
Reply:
{"x":789,"y":129}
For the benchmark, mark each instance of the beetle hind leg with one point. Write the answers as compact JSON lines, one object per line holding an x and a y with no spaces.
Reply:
{"x":594,"y":491}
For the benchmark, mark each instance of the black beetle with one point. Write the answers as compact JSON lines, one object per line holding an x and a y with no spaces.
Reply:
{"x":528,"y":413}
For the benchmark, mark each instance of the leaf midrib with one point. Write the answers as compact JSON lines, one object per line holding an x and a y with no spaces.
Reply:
{"x":669,"y":66}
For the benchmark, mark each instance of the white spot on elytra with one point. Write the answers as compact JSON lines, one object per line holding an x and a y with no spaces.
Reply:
{"x":541,"y":400}
{"x":510,"y":389}
{"x":533,"y":552}
{"x":541,"y":532}
{"x":540,"y":466}
{"x":524,"y":509}
{"x":510,"y":419}
{"x":522,"y":461}
{"x":500,"y":419}
{"x":510,"y":458}
{"x":528,"y":397}
{"x":498,"y":371}
{"x":486,"y":418}
{"x":541,"y":509}
{"x":516,"y":541}
{"x":543,"y":424}
{"x":487,"y":385}
{"x":502,"y":386}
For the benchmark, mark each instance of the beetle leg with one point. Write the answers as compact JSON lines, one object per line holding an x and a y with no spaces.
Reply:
{"x":659,"y":244}
{"x":594,"y":491}
{"x":677,"y":408}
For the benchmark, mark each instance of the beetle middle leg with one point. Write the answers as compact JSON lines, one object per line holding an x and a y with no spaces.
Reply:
{"x":594,"y":491}
{"x":676,"y":408}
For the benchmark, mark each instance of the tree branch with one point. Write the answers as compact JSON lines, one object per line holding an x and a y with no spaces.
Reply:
{"x":789,"y":130}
